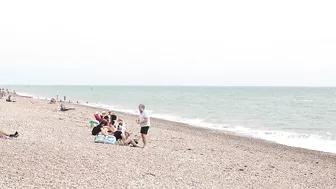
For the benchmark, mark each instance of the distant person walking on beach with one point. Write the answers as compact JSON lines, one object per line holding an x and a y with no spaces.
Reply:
{"x":144,"y":121}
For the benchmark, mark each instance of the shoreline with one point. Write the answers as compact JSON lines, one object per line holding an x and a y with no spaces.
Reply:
{"x":201,"y":130}
{"x":57,"y":150}
{"x":207,"y":129}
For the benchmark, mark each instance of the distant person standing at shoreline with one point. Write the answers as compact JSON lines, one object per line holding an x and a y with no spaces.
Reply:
{"x":2,"y":93}
{"x":144,"y":122}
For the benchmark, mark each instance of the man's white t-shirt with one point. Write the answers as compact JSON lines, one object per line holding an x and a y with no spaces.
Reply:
{"x":142,"y":117}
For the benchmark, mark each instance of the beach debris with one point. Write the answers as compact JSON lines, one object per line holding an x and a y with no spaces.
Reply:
{"x":189,"y":149}
{"x":240,"y":169}
{"x":151,"y":174}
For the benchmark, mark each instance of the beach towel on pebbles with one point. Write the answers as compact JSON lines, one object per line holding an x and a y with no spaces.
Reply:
{"x":110,"y":139}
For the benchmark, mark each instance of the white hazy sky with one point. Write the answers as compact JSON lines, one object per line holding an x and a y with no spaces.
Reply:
{"x":240,"y":42}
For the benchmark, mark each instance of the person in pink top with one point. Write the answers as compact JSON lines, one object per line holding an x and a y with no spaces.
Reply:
{"x":99,"y":117}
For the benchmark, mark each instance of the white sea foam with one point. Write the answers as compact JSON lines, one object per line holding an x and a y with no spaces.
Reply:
{"x":308,"y":141}
{"x":25,"y":94}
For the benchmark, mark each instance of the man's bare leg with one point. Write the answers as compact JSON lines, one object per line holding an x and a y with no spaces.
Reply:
{"x":131,"y":141}
{"x":144,"y":140}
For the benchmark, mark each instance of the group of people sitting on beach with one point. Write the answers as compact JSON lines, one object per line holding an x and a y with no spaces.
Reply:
{"x":110,"y":124}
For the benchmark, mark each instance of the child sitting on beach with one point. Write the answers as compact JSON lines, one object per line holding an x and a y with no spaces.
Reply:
{"x":122,"y":140}
{"x":125,"y":130}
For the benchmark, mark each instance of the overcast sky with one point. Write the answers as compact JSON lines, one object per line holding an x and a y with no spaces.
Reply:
{"x":239,"y":42}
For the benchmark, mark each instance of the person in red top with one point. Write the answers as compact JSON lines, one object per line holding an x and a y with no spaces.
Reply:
{"x":99,"y":117}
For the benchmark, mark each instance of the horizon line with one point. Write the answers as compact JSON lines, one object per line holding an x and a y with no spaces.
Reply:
{"x":313,"y":86}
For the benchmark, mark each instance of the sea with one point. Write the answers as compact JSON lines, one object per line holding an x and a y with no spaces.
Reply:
{"x":295,"y":116}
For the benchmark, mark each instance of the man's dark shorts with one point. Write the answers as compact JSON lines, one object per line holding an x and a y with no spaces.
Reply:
{"x":144,"y":130}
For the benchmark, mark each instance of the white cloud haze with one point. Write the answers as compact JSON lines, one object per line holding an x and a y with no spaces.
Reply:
{"x":168,"y":42}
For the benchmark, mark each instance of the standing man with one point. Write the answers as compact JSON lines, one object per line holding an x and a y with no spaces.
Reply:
{"x":144,"y":121}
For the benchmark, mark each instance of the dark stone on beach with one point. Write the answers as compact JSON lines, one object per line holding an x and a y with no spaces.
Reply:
{"x":317,"y":162}
{"x":241,"y":170}
{"x":245,"y":166}
{"x":272,"y":166}
{"x":151,"y":174}
{"x":189,"y":149}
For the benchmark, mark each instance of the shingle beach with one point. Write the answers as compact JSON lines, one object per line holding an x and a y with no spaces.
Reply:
{"x":56,"y":150}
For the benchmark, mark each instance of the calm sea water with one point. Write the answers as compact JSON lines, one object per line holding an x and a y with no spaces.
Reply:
{"x":301,"y":117}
